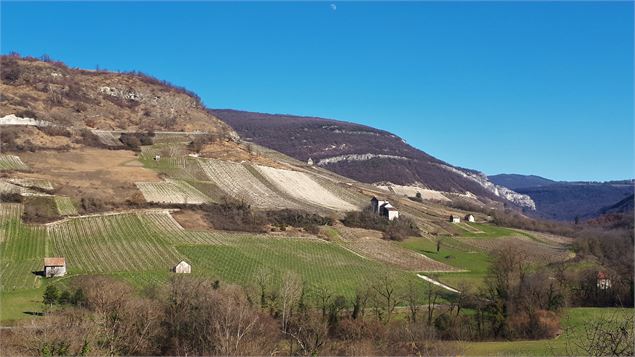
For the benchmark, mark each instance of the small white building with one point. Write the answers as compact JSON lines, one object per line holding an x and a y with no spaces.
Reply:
{"x":182,"y":268}
{"x":455,"y":218}
{"x":603,"y":281}
{"x":157,"y":157}
{"x":384,"y":208}
{"x":389,"y":211}
{"x":309,"y":162}
{"x":470,"y":218}
{"x":54,"y":267}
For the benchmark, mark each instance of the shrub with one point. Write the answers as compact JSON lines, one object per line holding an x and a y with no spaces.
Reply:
{"x":300,"y":219}
{"x":88,"y":138}
{"x":55,"y":131}
{"x":397,"y":229}
{"x":26,"y":113}
{"x":234,"y":216}
{"x":10,"y":70}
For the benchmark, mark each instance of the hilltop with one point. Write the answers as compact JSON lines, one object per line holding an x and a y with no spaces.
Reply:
{"x":514,"y":181}
{"x":52,"y":93}
{"x":362,"y":153}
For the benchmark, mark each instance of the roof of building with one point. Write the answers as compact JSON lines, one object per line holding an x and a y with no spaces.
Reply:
{"x":602,"y":275}
{"x":183,"y":262}
{"x":390,"y":208}
{"x":54,"y":262}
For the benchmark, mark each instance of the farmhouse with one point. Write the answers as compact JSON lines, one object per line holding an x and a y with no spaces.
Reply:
{"x":309,"y":162}
{"x":182,"y":268}
{"x":455,"y":218}
{"x":157,"y":157}
{"x":54,"y":267}
{"x":384,"y":208}
{"x":603,"y":281}
{"x":469,"y":218}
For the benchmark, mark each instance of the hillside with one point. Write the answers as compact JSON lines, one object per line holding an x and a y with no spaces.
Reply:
{"x":46,"y":92}
{"x":561,"y":200}
{"x":514,"y":181}
{"x":567,"y":200}
{"x":624,"y":206}
{"x":362,"y":153}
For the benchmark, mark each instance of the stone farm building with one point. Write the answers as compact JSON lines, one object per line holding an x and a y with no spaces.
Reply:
{"x":469,"y":218}
{"x":384,"y":208}
{"x":182,"y":268}
{"x":603,"y":281}
{"x":455,"y":218}
{"x":54,"y":267}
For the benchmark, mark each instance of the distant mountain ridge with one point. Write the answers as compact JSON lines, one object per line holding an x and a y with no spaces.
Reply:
{"x":562,"y":200}
{"x":362,"y":153}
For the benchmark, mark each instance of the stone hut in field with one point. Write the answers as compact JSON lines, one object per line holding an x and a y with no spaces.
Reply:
{"x":454,"y":218}
{"x":383,"y":208}
{"x":182,"y":268}
{"x":54,"y":267}
{"x":603,"y":281}
{"x":470,"y":218}
{"x":157,"y":157}
{"x":309,"y":162}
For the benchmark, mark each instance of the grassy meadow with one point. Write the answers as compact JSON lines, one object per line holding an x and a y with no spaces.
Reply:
{"x":573,"y":323}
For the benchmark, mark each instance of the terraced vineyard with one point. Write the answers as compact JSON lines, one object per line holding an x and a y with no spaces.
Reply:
{"x":142,"y":246}
{"x":22,"y":249}
{"x":535,"y":250}
{"x":237,"y":181}
{"x":171,"y":191}
{"x":7,"y":187}
{"x":369,"y":244}
{"x":302,"y":187}
{"x":65,"y":206}
{"x":172,"y":162}
{"x":112,"y":243}
{"x":11,"y":162}
{"x":32,"y":183}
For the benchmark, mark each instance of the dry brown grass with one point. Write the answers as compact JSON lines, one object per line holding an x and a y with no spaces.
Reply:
{"x":191,"y":219}
{"x":108,"y":175}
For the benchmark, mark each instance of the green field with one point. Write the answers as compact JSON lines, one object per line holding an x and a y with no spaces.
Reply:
{"x":22,"y":249}
{"x":141,"y":247}
{"x":65,"y":206}
{"x":11,"y":162}
{"x":456,"y":254}
{"x":573,"y":323}
{"x":488,"y":231}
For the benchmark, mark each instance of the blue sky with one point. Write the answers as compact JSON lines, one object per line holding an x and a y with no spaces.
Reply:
{"x":541,"y":88}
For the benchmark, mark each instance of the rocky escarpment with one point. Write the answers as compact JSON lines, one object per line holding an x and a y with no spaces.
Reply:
{"x":46,"y":91}
{"x":517,"y":198}
{"x":356,"y":157}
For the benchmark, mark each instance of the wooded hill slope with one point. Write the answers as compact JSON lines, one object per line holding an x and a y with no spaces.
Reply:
{"x":356,"y":151}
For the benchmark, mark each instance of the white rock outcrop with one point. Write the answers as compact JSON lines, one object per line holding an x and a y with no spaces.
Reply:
{"x":500,"y":191}
{"x":12,"y":119}
{"x":357,"y":157}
